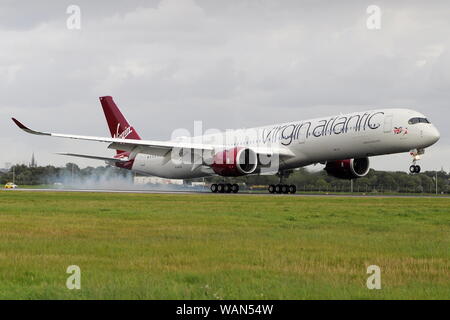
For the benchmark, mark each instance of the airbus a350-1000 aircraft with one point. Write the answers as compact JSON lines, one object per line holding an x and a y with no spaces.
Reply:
{"x":343,"y":143}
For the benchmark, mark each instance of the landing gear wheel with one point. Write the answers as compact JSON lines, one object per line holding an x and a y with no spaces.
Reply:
{"x":235,"y":188}
{"x":271,"y":188}
{"x":284,"y":189}
{"x":214,"y":188}
{"x":292,"y":189}
{"x":227,"y":188}
{"x":278,"y":188}
{"x":221,"y":188}
{"x":415,"y":169}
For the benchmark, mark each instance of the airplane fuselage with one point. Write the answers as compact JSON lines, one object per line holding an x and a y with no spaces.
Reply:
{"x":350,"y":136}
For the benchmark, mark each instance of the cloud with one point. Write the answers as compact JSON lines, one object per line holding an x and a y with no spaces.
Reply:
{"x":229,"y":63}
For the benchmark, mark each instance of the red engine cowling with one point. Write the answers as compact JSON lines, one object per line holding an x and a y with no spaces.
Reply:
{"x":348,"y":169}
{"x":235,"y":162}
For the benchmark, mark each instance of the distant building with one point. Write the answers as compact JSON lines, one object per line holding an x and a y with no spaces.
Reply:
{"x":156,"y":180}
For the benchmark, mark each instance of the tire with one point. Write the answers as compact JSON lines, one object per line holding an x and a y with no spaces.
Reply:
{"x":278,"y":188}
{"x":214,"y":188}
{"x":418,"y":169}
{"x":221,"y":188}
{"x":228,"y":188}
{"x":271,"y":188}
{"x":412,"y":169}
{"x":284,"y":189}
{"x":292,"y":189}
{"x":235,"y":188}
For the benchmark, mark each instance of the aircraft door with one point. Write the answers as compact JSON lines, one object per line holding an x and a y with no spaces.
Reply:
{"x":388,"y":120}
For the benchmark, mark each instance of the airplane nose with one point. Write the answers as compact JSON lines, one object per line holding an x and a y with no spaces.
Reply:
{"x":434,"y":135}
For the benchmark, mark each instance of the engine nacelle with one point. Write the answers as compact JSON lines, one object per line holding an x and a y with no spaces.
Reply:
{"x":235,"y":162}
{"x":348,"y":169}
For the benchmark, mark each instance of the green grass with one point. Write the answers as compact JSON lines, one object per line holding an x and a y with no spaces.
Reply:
{"x":149,"y":246}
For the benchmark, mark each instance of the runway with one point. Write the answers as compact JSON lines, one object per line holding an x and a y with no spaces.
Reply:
{"x":243,"y":193}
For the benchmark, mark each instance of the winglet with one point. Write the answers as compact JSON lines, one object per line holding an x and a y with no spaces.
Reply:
{"x":19,"y":124}
{"x":28,"y":130}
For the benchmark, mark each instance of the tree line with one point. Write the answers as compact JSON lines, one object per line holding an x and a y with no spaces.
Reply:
{"x":304,"y":179}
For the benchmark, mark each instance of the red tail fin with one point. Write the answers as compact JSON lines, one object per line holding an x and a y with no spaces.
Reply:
{"x":118,"y":125}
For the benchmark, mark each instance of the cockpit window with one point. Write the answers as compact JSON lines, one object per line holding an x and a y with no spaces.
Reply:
{"x":418,"y":120}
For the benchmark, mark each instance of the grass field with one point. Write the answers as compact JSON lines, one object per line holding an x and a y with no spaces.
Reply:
{"x":149,"y":246}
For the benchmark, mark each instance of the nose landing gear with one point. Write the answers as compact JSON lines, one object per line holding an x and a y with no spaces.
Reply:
{"x":414,"y":168}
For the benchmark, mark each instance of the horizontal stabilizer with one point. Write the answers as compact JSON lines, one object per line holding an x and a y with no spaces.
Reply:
{"x":92,"y":157}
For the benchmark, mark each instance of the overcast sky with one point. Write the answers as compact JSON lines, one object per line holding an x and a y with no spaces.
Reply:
{"x":230,"y":64}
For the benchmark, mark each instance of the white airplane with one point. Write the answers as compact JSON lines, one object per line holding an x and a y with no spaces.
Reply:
{"x":343,"y":143}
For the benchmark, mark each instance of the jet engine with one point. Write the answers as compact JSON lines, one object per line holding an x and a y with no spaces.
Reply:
{"x":235,"y":162}
{"x":349,"y":168}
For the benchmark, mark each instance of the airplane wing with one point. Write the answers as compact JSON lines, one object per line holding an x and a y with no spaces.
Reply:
{"x":158,"y":148}
{"x":130,"y":145}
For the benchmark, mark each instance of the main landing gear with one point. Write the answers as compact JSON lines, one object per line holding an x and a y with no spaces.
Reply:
{"x":282,"y":189}
{"x":414,"y":168}
{"x":279,"y":188}
{"x":225,"y":188}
